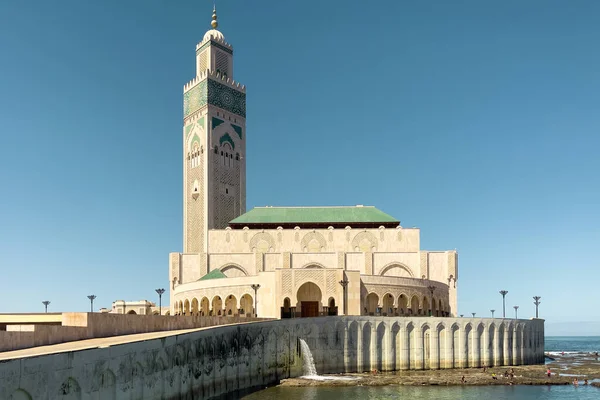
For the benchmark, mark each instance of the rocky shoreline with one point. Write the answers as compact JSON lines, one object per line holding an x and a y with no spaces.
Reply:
{"x":564,"y":369}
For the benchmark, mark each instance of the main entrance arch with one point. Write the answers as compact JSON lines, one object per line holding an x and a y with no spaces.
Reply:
{"x":309,"y":300}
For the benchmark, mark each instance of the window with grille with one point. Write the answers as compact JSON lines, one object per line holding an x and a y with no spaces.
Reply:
{"x":203,"y":63}
{"x":221,"y":62}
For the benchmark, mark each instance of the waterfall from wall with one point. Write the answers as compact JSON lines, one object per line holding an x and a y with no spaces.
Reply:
{"x":308,"y":364}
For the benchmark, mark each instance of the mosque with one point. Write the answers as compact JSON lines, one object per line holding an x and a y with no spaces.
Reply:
{"x":283,"y":262}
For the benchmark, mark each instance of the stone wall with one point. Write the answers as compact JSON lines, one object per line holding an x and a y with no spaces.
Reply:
{"x":225,"y":360}
{"x":79,"y":326}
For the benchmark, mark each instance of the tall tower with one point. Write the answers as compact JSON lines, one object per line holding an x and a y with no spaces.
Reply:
{"x":214,"y":143}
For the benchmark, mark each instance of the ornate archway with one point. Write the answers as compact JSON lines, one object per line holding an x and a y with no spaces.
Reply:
{"x":309,"y":300}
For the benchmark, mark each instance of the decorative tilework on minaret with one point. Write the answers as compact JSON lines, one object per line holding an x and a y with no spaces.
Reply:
{"x":214,"y":147}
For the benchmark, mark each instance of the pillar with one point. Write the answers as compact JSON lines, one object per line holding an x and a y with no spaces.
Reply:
{"x":487,"y":361}
{"x":346,"y":346}
{"x":475,"y":345}
{"x":434,"y":362}
{"x":449,"y":361}
{"x":386,"y":363}
{"x":418,"y":348}
{"x":506,"y":350}
{"x":463,"y":360}
{"x":516,"y":347}
{"x":404,"y":359}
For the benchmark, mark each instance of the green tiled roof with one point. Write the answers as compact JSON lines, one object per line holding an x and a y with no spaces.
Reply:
{"x":214,"y":274}
{"x":290,"y":215}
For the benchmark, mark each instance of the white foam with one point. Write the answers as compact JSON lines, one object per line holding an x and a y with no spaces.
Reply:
{"x":560,"y":353}
{"x":328,"y":378}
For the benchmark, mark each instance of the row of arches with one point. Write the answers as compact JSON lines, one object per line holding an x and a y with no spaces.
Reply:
{"x":366,"y":345}
{"x":217,"y":306}
{"x":417,"y":305}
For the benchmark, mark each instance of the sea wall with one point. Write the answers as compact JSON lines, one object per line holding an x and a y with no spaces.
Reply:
{"x":80,"y":326}
{"x":223,"y":361}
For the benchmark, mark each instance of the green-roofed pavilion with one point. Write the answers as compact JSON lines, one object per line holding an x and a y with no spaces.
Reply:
{"x":214,"y":274}
{"x":314,"y":217}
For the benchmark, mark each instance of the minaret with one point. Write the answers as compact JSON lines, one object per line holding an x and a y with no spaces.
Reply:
{"x":214,"y":143}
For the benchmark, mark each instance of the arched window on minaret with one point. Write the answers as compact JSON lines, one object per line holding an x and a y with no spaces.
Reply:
{"x":194,"y":156}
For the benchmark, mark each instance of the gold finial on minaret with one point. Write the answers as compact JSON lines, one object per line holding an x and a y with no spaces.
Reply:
{"x":214,"y":22}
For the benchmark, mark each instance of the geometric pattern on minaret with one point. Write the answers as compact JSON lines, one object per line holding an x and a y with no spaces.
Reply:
{"x":214,"y":143}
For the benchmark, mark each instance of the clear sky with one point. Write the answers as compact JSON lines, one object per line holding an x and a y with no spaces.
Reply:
{"x":476,"y":121}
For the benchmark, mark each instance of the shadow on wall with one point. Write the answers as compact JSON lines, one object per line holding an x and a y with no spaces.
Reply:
{"x":232,"y":359}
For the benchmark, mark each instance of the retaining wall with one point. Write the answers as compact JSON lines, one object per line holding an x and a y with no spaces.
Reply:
{"x":79,"y":326}
{"x":224,"y":361}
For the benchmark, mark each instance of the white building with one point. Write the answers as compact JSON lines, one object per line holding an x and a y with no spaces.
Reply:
{"x":293,"y":261}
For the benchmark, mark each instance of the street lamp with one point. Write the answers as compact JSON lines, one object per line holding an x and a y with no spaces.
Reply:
{"x":91,"y":297}
{"x":431,"y":289}
{"x":503,"y":293}
{"x":160,"y":293}
{"x":516,"y":313}
{"x":537,"y":303}
{"x":492,"y":313}
{"x":45,"y":303}
{"x":256,"y":286}
{"x":344,"y":283}
{"x":473,"y":314}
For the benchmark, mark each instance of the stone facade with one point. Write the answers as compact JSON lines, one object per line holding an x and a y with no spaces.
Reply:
{"x":226,"y":360}
{"x":386,"y":271}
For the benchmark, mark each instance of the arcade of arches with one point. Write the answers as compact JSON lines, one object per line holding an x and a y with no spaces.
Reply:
{"x":227,"y":306}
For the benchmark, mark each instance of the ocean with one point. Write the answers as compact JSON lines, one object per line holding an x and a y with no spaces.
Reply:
{"x":553,"y":344}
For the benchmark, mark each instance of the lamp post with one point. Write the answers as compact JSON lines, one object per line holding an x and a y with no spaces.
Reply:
{"x":91,"y":297}
{"x":516,"y":312}
{"x":431,"y":289}
{"x":45,"y":303}
{"x":344,"y":283}
{"x":256,"y":286}
{"x":160,"y":293}
{"x":473,"y":314}
{"x":537,"y":303}
{"x":503,"y":293}
{"x":492,"y":313}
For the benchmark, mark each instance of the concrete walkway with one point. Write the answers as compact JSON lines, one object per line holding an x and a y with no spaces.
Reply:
{"x":92,"y":344}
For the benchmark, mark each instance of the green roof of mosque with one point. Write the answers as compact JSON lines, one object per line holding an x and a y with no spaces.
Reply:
{"x":291,"y":215}
{"x":214,"y":274}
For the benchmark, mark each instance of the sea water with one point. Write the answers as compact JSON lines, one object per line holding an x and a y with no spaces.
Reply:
{"x":582,"y":345}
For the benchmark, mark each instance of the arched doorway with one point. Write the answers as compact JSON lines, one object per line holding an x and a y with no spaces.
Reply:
{"x":132,"y":312}
{"x":372,"y":303}
{"x":247,"y":305}
{"x":231,"y":305}
{"x":309,"y":300}
{"x":286,"y":311}
{"x":388,"y":305}
{"x":403,"y":304}
{"x":204,"y":307}
{"x":217,"y":306}
{"x":332,"y":309}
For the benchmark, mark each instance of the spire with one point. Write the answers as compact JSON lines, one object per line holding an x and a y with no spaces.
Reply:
{"x":214,"y":23}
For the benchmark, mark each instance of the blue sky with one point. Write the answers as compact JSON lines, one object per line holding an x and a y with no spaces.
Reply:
{"x":476,"y":121}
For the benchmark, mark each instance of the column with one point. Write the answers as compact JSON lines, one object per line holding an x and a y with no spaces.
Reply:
{"x":373,"y":348}
{"x":387,"y":351}
{"x":475,"y":345}
{"x":506,"y":349}
{"x":463,"y":361}
{"x":418,"y":348}
{"x":515,"y":347}
{"x":404,"y":359}
{"x":449,"y":349}
{"x":434,"y":361}
{"x":498,"y":347}
{"x":346,"y":345}
{"x":359,"y":345}
{"x":487,"y":361}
